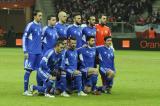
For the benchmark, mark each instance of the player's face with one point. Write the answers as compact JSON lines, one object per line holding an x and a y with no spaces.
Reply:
{"x":60,"y":48}
{"x":65,"y":44}
{"x":92,"y":21}
{"x":64,"y":18}
{"x":103,"y":20}
{"x":108,"y":42}
{"x":72,"y":44}
{"x":38,"y":17}
{"x":91,"y":42}
{"x":77,"y":19}
{"x":52,"y":21}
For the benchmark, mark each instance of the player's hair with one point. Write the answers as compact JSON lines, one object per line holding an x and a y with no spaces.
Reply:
{"x":72,"y":38}
{"x":75,"y":14}
{"x":59,"y":42}
{"x":89,"y":37}
{"x":102,"y":14}
{"x":62,"y":38}
{"x":107,"y":37}
{"x":88,"y":18}
{"x":50,"y":16}
{"x":35,"y":12}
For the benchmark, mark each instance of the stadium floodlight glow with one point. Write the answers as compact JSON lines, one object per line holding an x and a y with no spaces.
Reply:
{"x":4,"y":8}
{"x":15,"y":5}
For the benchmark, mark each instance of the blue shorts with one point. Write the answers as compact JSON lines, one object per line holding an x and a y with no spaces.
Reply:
{"x":33,"y":61}
{"x":84,"y":72}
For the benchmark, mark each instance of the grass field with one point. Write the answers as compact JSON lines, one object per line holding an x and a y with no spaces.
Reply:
{"x":137,"y":82}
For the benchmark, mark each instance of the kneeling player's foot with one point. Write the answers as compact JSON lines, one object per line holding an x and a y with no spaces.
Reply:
{"x":31,"y":88}
{"x":108,"y":90}
{"x":69,"y":91}
{"x":64,"y":94}
{"x":34,"y":92}
{"x":49,"y":95}
{"x":82,"y":94}
{"x":96,"y":92}
{"x":26,"y":93}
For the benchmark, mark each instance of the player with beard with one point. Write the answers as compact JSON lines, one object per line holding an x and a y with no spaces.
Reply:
{"x":75,"y":30}
{"x":102,"y":30}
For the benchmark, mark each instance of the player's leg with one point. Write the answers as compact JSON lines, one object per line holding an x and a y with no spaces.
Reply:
{"x":93,"y":72}
{"x":102,"y":78}
{"x":63,"y":84}
{"x":36,"y":67}
{"x":70,"y":82}
{"x":102,"y":72}
{"x":49,"y":85}
{"x":109,"y":79}
{"x":78,"y":81}
{"x":29,"y":67}
{"x":86,"y":81}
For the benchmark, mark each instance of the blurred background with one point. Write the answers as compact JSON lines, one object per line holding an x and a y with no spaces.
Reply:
{"x":131,"y":21}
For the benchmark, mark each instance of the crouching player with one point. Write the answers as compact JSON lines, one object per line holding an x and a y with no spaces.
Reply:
{"x":74,"y":76}
{"x":87,"y":66}
{"x":48,"y":70}
{"x":106,"y":64}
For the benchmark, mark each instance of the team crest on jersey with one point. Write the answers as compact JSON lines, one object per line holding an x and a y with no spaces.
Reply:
{"x":30,"y":36}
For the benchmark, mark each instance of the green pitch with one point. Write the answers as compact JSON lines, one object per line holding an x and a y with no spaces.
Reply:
{"x":137,"y":82}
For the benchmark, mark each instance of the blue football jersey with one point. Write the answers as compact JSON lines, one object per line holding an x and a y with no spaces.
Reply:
{"x":76,"y":32}
{"x":71,"y":60}
{"x":87,"y":57}
{"x":49,"y":38}
{"x":88,"y":31}
{"x":106,"y":57}
{"x":32,"y":38}
{"x":61,"y":29}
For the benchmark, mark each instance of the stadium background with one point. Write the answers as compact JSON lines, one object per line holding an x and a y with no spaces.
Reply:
{"x":137,"y":81}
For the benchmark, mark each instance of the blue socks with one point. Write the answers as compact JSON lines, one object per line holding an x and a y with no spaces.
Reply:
{"x":26,"y":79}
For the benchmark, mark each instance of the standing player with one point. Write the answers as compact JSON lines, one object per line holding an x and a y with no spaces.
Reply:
{"x":49,"y":34}
{"x":61,"y":25}
{"x":32,"y":47}
{"x":106,"y":63}
{"x":74,"y":76}
{"x":76,"y":31}
{"x":90,"y":30}
{"x":87,"y":57}
{"x":102,"y":30}
{"x":49,"y":69}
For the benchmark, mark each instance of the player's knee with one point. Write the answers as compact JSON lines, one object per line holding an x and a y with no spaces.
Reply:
{"x":63,"y":73}
{"x":110,"y":73}
{"x":87,"y":89}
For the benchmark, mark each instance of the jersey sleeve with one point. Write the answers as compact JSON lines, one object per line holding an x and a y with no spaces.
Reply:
{"x":45,"y":59}
{"x":25,"y":37}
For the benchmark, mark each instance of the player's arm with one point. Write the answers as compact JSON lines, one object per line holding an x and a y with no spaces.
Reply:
{"x":25,"y":39}
{"x":45,"y":59}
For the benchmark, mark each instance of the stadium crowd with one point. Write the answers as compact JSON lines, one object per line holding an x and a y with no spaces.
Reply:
{"x":116,"y":10}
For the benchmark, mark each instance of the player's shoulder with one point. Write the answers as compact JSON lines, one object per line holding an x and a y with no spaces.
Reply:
{"x":49,"y":52}
{"x":106,"y":27}
{"x":70,"y":26}
{"x":99,"y":47}
{"x":44,"y":28}
{"x":29,"y":25}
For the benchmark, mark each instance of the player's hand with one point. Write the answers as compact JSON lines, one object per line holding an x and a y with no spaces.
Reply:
{"x":52,"y":78}
{"x":76,"y":72}
{"x":25,"y":55}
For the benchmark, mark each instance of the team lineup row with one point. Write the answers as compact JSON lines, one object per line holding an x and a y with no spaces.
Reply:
{"x":65,"y":57}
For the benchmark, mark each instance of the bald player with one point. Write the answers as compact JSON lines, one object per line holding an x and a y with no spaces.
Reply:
{"x":61,"y":26}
